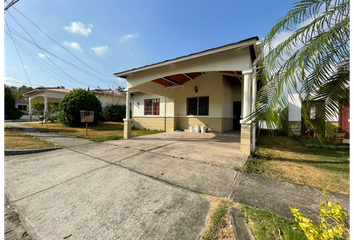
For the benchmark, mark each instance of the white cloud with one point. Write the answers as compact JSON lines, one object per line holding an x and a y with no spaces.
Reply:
{"x":41,"y":55}
{"x":73,"y":45}
{"x":100,"y":50}
{"x":78,"y":27}
{"x":10,"y":81}
{"x":128,"y":37}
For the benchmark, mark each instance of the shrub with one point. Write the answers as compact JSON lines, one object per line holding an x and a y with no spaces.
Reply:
{"x":114,"y":113}
{"x":11,"y":112}
{"x":52,"y":118}
{"x":76,"y":100}
{"x":333,"y":221}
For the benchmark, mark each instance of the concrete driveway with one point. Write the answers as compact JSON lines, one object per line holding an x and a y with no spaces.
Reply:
{"x":124,"y":189}
{"x":143,"y":188}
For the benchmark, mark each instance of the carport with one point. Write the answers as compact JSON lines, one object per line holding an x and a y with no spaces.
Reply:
{"x":200,"y":88}
{"x":49,"y":94}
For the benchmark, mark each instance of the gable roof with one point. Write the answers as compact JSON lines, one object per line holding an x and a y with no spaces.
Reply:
{"x":106,"y":91}
{"x":248,"y":41}
{"x":50,"y":89}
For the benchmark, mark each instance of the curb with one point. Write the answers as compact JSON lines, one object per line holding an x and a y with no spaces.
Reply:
{"x":241,"y":228}
{"x":28,"y":151}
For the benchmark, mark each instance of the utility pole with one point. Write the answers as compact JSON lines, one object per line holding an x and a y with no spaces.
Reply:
{"x":13,"y":2}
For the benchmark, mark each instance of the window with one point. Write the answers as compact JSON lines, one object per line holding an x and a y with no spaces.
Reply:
{"x":22,"y":107}
{"x":152,"y":107}
{"x":198,"y":106}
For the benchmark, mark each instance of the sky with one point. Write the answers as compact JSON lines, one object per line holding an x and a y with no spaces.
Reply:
{"x":110,"y":36}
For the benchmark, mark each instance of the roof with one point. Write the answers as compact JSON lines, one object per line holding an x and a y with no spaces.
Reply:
{"x":185,"y":57}
{"x":50,"y":89}
{"x":106,"y":91}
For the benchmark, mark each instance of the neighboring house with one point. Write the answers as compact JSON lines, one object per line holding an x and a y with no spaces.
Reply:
{"x":22,"y":105}
{"x":216,"y":88}
{"x":109,"y":97}
{"x":45,"y":94}
{"x":293,"y":124}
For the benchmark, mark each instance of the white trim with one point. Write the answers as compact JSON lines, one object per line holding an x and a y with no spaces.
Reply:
{"x":181,"y":59}
{"x":153,"y":116}
{"x":247,"y":72}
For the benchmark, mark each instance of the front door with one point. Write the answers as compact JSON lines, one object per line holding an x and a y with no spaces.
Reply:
{"x":344,"y":118}
{"x":237,"y":116}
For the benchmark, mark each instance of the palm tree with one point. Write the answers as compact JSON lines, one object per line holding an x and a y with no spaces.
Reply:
{"x":313,"y":61}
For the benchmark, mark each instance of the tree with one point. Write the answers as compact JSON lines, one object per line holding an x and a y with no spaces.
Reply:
{"x":11,"y":112}
{"x":313,"y":61}
{"x":76,"y":100}
{"x":38,"y":107}
{"x":120,"y":89}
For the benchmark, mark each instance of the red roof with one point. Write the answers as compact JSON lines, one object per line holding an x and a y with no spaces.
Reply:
{"x":106,"y":91}
{"x":51,"y":89}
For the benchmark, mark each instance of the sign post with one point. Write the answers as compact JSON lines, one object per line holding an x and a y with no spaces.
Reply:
{"x":87,"y":116}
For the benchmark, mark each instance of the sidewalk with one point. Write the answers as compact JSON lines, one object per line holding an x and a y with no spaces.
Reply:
{"x":51,"y":187}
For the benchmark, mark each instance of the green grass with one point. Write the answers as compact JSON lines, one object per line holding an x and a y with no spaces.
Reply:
{"x":217,"y":220}
{"x":269,"y":226}
{"x":104,"y":131}
{"x":14,"y":218}
{"x":288,"y":159}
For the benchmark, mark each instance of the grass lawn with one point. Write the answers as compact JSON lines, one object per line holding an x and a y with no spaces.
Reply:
{"x":264,"y":225}
{"x":287,"y":158}
{"x":269,"y":226}
{"x":105,"y":131}
{"x":15,"y":140}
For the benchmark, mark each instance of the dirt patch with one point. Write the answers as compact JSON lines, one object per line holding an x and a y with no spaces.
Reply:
{"x":225,"y":230}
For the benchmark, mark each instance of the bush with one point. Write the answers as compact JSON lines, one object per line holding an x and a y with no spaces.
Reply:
{"x":333,"y":221}
{"x":114,"y":113}
{"x":52,"y":119}
{"x":76,"y":100}
{"x":11,"y":112}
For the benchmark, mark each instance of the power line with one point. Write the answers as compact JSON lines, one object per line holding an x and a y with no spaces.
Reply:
{"x":44,"y":53}
{"x":62,"y":46}
{"x":19,"y":55}
{"x":71,"y":64}
{"x":10,"y":4}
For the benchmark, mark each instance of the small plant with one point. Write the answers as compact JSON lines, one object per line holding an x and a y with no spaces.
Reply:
{"x":254,"y":165}
{"x":339,"y":130}
{"x":337,"y":137}
{"x":333,"y":221}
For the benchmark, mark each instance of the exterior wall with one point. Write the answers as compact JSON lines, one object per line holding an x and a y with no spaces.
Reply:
{"x":284,"y":118}
{"x":227,"y":124}
{"x":227,"y":98}
{"x":152,"y":123}
{"x":107,"y":100}
{"x":294,"y":107}
{"x":245,"y":139}
{"x":294,"y":128}
{"x":212,"y":123}
{"x":138,"y":108}
{"x":239,"y":59}
{"x":208,"y":85}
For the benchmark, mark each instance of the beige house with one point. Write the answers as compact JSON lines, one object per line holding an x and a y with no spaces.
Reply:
{"x":46,"y":94}
{"x":109,"y":97}
{"x":216,"y":88}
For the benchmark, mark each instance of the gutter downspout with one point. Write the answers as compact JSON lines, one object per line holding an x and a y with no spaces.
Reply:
{"x":254,"y":95}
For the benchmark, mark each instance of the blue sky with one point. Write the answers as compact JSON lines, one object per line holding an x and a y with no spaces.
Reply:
{"x":112,"y":36}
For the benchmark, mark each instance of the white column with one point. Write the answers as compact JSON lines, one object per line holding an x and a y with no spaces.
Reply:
{"x":45,"y":106}
{"x":30,"y":109}
{"x":247,"y":90}
{"x":127,"y":104}
{"x":127,"y":120}
{"x":254,"y":95}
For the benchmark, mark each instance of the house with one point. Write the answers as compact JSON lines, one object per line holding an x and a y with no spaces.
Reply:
{"x":293,"y":123}
{"x":109,"y":97}
{"x":22,"y":105}
{"x":216,"y":87}
{"x":46,"y":94}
